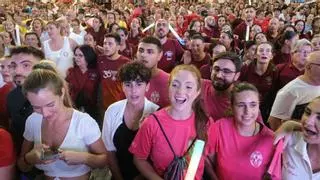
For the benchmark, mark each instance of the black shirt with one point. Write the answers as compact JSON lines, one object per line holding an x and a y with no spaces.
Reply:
{"x":122,"y":140}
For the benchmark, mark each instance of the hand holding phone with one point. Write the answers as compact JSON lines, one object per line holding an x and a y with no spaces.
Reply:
{"x":50,"y":154}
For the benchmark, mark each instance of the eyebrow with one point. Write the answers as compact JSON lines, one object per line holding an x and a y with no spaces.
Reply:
{"x":45,"y":104}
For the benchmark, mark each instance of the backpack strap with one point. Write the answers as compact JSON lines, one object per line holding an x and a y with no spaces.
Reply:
{"x":164,"y":134}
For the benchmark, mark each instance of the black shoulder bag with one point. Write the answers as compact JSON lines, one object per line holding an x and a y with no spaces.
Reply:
{"x":176,"y":168}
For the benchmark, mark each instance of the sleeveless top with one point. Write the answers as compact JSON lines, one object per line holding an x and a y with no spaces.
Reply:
{"x":63,"y":57}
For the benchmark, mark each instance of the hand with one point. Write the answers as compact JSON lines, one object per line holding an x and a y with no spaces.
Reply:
{"x":186,"y":57}
{"x":73,"y":157}
{"x":35,"y":155}
{"x":285,"y":132}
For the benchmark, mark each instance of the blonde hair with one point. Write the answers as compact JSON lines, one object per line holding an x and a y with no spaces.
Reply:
{"x":42,"y":78}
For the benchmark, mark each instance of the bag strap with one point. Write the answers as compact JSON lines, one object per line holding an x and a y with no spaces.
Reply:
{"x":164,"y":134}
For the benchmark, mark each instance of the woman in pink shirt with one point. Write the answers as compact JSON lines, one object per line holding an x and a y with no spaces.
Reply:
{"x":240,"y":147}
{"x":183,"y":122}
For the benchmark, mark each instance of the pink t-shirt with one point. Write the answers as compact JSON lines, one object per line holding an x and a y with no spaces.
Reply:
{"x":158,"y":89}
{"x":239,"y":157}
{"x":150,"y":141}
{"x":216,"y":105}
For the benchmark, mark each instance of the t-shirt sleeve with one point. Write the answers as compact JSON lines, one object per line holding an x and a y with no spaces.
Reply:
{"x":28,"y":130}
{"x":142,"y":143}
{"x":7,"y":155}
{"x":90,"y":130}
{"x":283,"y":105}
{"x":107,"y":130}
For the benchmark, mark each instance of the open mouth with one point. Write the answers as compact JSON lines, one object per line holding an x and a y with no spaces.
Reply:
{"x":310,"y":132}
{"x":180,"y":100}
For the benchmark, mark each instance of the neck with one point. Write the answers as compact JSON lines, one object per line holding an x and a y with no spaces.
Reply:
{"x":285,"y":49}
{"x":155,"y":71}
{"x":179,"y":115}
{"x":135,"y":107}
{"x":77,"y":31}
{"x":300,"y":67}
{"x":83,"y":69}
{"x":249,"y":22}
{"x":261,"y":68}
{"x":250,"y":130}
{"x":123,"y":46}
{"x":65,"y":114}
{"x":163,"y":40}
{"x":57,"y":38}
{"x":96,"y":30}
{"x":115,"y":56}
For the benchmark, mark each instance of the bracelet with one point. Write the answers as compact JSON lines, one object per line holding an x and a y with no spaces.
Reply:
{"x":25,"y":160}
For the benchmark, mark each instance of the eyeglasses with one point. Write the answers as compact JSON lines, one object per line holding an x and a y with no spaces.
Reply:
{"x":224,"y":71}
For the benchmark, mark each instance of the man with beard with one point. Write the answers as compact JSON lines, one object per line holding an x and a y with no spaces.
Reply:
{"x":149,"y":53}
{"x":241,"y":29}
{"x":108,"y":65}
{"x":196,"y":56}
{"x":210,"y":29}
{"x":215,"y":94}
{"x":23,"y":59}
{"x":273,"y":30}
{"x":172,"y":50}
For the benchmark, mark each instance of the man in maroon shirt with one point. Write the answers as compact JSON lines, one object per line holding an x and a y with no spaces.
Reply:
{"x":149,"y":53}
{"x":210,"y":29}
{"x":108,"y":65}
{"x":172,"y":50}
{"x":289,"y":71}
{"x":197,"y":56}
{"x":241,"y":29}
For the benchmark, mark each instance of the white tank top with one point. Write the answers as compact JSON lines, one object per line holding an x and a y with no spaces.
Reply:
{"x":63,"y":57}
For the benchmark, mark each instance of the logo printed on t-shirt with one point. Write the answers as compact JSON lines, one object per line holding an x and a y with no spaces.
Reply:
{"x":155,"y":96}
{"x":110,"y":74}
{"x":169,"y":55}
{"x":256,"y":159}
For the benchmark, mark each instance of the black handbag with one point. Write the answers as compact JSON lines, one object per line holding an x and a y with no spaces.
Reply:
{"x":175,"y":170}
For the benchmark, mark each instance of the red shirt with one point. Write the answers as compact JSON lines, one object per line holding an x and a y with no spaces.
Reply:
{"x":216,"y":105}
{"x":7,"y":154}
{"x":151,"y":143}
{"x":158,"y":89}
{"x":129,"y":51}
{"x":240,"y":30}
{"x":280,"y":58}
{"x":111,"y":88}
{"x":205,"y":71}
{"x":87,"y":83}
{"x":262,"y":82}
{"x":287,"y":72}
{"x":134,"y":40}
{"x":211,"y":33}
{"x":4,"y":115}
{"x":202,"y":62}
{"x":172,"y":53}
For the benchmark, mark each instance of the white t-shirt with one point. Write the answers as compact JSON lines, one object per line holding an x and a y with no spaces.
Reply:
{"x":296,"y":162}
{"x":62,"y":57}
{"x":77,"y":38}
{"x":83,"y":131}
{"x":296,"y":92}
{"x":113,"y":119}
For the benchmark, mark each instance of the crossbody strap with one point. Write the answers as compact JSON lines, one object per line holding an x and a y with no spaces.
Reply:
{"x":164,"y":134}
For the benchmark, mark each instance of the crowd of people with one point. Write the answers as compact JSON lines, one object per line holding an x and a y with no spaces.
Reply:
{"x":88,"y":92}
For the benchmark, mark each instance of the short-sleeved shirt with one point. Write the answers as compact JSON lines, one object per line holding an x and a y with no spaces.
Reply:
{"x":7,"y":153}
{"x":296,"y":162}
{"x":151,"y":143}
{"x":239,"y":157}
{"x":296,"y":92}
{"x":82,"y":132}
{"x":158,"y":89}
{"x":4,"y":115}
{"x":287,"y":73}
{"x":172,"y":53}
{"x":110,"y":85}
{"x":118,"y":137}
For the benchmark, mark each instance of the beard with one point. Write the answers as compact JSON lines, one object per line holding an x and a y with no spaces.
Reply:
{"x":220,"y":84}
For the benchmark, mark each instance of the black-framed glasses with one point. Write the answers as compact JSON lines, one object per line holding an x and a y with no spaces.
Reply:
{"x":224,"y":71}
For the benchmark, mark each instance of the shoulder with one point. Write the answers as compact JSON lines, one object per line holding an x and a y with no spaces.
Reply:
{"x":34,"y":119}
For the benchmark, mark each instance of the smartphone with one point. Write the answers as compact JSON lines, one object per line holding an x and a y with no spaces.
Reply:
{"x":50,"y":154}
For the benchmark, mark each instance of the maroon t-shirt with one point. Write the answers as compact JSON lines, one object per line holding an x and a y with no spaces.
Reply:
{"x":205,"y":71}
{"x":172,"y":53}
{"x":262,"y":82}
{"x":111,"y":89}
{"x":240,"y":30}
{"x":281,"y":58}
{"x":158,"y":89}
{"x":211,"y":33}
{"x":287,"y":72}
{"x":202,"y":62}
{"x":86,"y":83}
{"x":134,"y":40}
{"x":129,"y":51}
{"x":4,"y":115}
